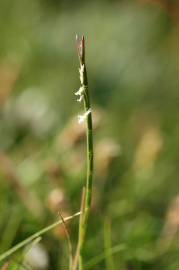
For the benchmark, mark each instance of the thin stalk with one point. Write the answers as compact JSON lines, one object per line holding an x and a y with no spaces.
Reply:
{"x":84,"y":95}
{"x":77,"y":254}
{"x":70,"y":251}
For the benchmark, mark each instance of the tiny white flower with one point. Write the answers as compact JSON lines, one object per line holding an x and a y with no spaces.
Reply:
{"x":81,"y":71}
{"x":80,"y":98}
{"x":81,"y":118}
{"x":80,"y":93}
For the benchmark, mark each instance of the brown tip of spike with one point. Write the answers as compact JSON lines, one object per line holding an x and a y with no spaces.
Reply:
{"x":81,"y":48}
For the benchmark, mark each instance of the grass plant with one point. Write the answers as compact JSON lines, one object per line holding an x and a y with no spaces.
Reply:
{"x":84,"y":96}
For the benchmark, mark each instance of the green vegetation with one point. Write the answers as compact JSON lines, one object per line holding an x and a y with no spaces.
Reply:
{"x":132,"y":59}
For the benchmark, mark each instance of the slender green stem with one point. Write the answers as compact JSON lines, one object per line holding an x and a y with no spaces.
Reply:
{"x":89,"y":140}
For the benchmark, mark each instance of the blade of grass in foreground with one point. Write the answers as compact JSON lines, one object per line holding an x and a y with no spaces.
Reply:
{"x":34,"y":236}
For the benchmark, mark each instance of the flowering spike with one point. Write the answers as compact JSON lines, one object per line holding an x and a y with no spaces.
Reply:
{"x":83,"y":94}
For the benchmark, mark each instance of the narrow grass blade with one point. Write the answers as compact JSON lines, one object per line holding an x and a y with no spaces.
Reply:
{"x":33,"y":237}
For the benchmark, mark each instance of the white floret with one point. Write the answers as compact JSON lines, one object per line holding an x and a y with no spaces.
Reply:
{"x":82,"y":118}
{"x":81,"y":71}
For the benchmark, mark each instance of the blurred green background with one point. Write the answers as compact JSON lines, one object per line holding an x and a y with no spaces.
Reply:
{"x":133,"y":64}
